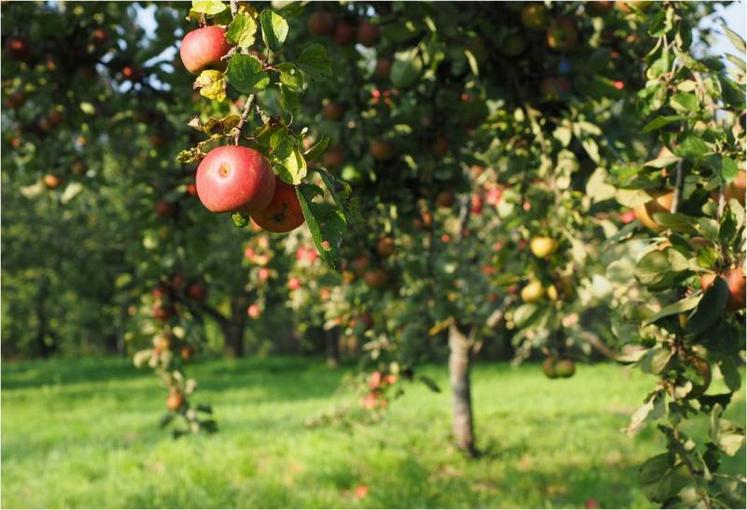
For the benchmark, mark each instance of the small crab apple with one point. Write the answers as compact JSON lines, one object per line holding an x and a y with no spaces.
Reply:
{"x":254,"y":311}
{"x":203,"y":47}
{"x":283,"y":213}
{"x":234,"y":178}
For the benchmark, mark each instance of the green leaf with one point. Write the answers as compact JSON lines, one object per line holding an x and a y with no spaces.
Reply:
{"x":208,"y":7}
{"x":729,"y":169}
{"x":660,"y":122}
{"x":429,"y":383}
{"x":245,"y":74}
{"x":692,"y":147}
{"x":675,"y":221}
{"x":406,"y":68}
{"x":288,"y":162}
{"x":730,"y":371}
{"x":274,"y":29}
{"x":737,"y":41}
{"x":728,"y":230}
{"x":654,"y":469}
{"x":240,"y":220}
{"x":710,"y":308}
{"x":685,"y":102}
{"x":655,"y":360}
{"x":290,"y":76}
{"x":241,"y":30}
{"x":563,"y":134}
{"x":663,"y":161}
{"x":326,"y":223}
{"x":212,"y":85}
{"x":314,"y":62}
{"x":315,"y":151}
{"x":653,"y":409}
{"x":680,"y":306}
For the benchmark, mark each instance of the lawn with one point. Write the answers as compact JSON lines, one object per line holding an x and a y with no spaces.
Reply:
{"x":82,"y":433}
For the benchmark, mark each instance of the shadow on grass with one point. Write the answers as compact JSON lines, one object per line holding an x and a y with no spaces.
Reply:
{"x":64,"y":371}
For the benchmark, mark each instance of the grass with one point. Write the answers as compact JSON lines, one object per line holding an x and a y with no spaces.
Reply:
{"x":82,"y":433}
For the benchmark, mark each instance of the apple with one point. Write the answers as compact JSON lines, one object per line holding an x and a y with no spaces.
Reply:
{"x":186,"y":352}
{"x":736,"y":188}
{"x":375,"y":380}
{"x":348,"y":277}
{"x":565,"y":368}
{"x":445,"y":199}
{"x":440,"y":146}
{"x":55,"y":118}
{"x":535,"y":16}
{"x":562,"y":35}
{"x":284,"y":213}
{"x":599,"y":7}
{"x":161,"y":312}
{"x":325,"y":293}
{"x":321,"y":23}
{"x":591,"y":503}
{"x":381,"y":150}
{"x":177,"y":281}
{"x":532,"y":291}
{"x":344,"y":33}
{"x":662,"y":202}
{"x":627,"y":216}
{"x":376,"y":278}
{"x":543,"y":246}
{"x":52,"y":181}
{"x":476,"y":203}
{"x":18,"y":47}
{"x":333,"y":157}
{"x":162,"y":342}
{"x":735,"y":281}
{"x":368,"y":34}
{"x":548,"y":367}
{"x":493,"y":196}
{"x":159,"y":291}
{"x":165,"y":209}
{"x":174,"y":401}
{"x":196,"y":291}
{"x":383,"y":68}
{"x":191,"y":189}
{"x":333,"y":111}
{"x":263,"y":274}
{"x":294,"y":284}
{"x":254,"y":311}
{"x":233,"y":178}
{"x":633,"y":5}
{"x":360,"y":264}
{"x":131,"y":73}
{"x":513,"y":45}
{"x":203,"y":48}
{"x":78,"y":167}
{"x":99,"y":36}
{"x":15,"y":100}
{"x":385,"y":247}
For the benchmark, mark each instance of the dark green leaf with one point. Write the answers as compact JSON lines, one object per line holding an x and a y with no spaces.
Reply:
{"x":290,"y":76}
{"x":730,"y":371}
{"x":406,"y":68}
{"x":326,"y":223}
{"x":710,"y":308}
{"x":315,"y":151}
{"x":245,"y":74}
{"x":430,"y":383}
{"x":683,"y":305}
{"x":660,"y":122}
{"x":315,"y":62}
{"x":692,"y":147}
{"x":240,"y":219}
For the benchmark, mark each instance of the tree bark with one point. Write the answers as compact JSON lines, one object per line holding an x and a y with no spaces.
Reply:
{"x":459,"y":374}
{"x":233,"y":329}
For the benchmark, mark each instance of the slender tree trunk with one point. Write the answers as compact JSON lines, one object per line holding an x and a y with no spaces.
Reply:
{"x":459,"y":374}
{"x":233,"y":330}
{"x":331,"y":338}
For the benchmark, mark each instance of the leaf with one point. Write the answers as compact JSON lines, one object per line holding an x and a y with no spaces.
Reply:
{"x":212,"y":85}
{"x":406,"y":68}
{"x":315,"y":151}
{"x":654,"y":409}
{"x":208,"y":7}
{"x":245,"y":74}
{"x":663,"y":161}
{"x":274,"y":29}
{"x":654,"y":469}
{"x":221,"y":126}
{"x":655,"y":360}
{"x":730,"y":371}
{"x":314,"y":62}
{"x":166,"y":419}
{"x":680,"y":306}
{"x":675,"y":221}
{"x":290,"y":76}
{"x":660,"y":122}
{"x":737,"y":41}
{"x":710,"y":308}
{"x":326,"y":223}
{"x":241,"y":31}
{"x":288,"y":162}
{"x":729,"y":169}
{"x":430,"y":383}
{"x":563,"y":134}
{"x":240,"y":219}
{"x":685,"y":102}
{"x":692,"y":147}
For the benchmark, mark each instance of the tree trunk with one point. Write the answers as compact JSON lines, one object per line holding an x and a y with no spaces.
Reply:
{"x":459,"y":374}
{"x":233,"y":329}
{"x":44,"y":348}
{"x":331,"y":338}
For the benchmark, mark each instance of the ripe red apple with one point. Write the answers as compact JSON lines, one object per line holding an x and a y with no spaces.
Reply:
{"x":294,"y":284}
{"x":381,"y":150}
{"x":321,"y":23}
{"x":333,"y":157}
{"x":735,"y":280}
{"x":52,"y":181}
{"x":284,"y":213}
{"x":161,"y":312}
{"x":493,"y":196}
{"x":375,"y":380}
{"x":203,"y":47}
{"x":344,"y":33}
{"x":263,"y":274}
{"x":383,"y":68}
{"x":165,"y":209}
{"x":18,"y":47}
{"x":197,"y":292}
{"x":233,"y":178}
{"x":159,"y":291}
{"x":385,"y":247}
{"x":333,"y":111}
{"x":131,"y":73}
{"x":535,"y":16}
{"x":376,"y":278}
{"x":360,"y":264}
{"x":627,"y":216}
{"x":368,"y":34}
{"x":254,"y":311}
{"x":562,"y":35}
{"x":476,"y":203}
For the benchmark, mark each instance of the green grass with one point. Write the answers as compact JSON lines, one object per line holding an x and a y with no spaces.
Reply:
{"x":82,"y":433}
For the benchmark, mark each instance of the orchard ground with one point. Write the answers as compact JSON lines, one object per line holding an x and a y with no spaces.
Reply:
{"x":80,"y":433}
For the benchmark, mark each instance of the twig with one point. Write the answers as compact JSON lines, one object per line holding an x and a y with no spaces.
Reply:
{"x":244,"y":116}
{"x":234,"y":8}
{"x":677,"y":188}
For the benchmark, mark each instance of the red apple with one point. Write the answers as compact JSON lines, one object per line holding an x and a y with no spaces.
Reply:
{"x":294,"y":284}
{"x":18,"y":47}
{"x":51,"y":181}
{"x":321,"y":23}
{"x":233,"y":178}
{"x":383,"y":68}
{"x":333,"y":111}
{"x":164,"y":209}
{"x":493,"y":196}
{"x":203,"y":47}
{"x":376,"y":278}
{"x":360,"y":264}
{"x":736,"y":188}
{"x":368,"y":34}
{"x":196,"y":291}
{"x":284,"y":213}
{"x":476,"y":202}
{"x":381,"y":150}
{"x":344,"y":33}
{"x":263,"y":274}
{"x":445,"y":199}
{"x":254,"y":311}
{"x":333,"y":157}
{"x":385,"y":247}
{"x":735,"y":280}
